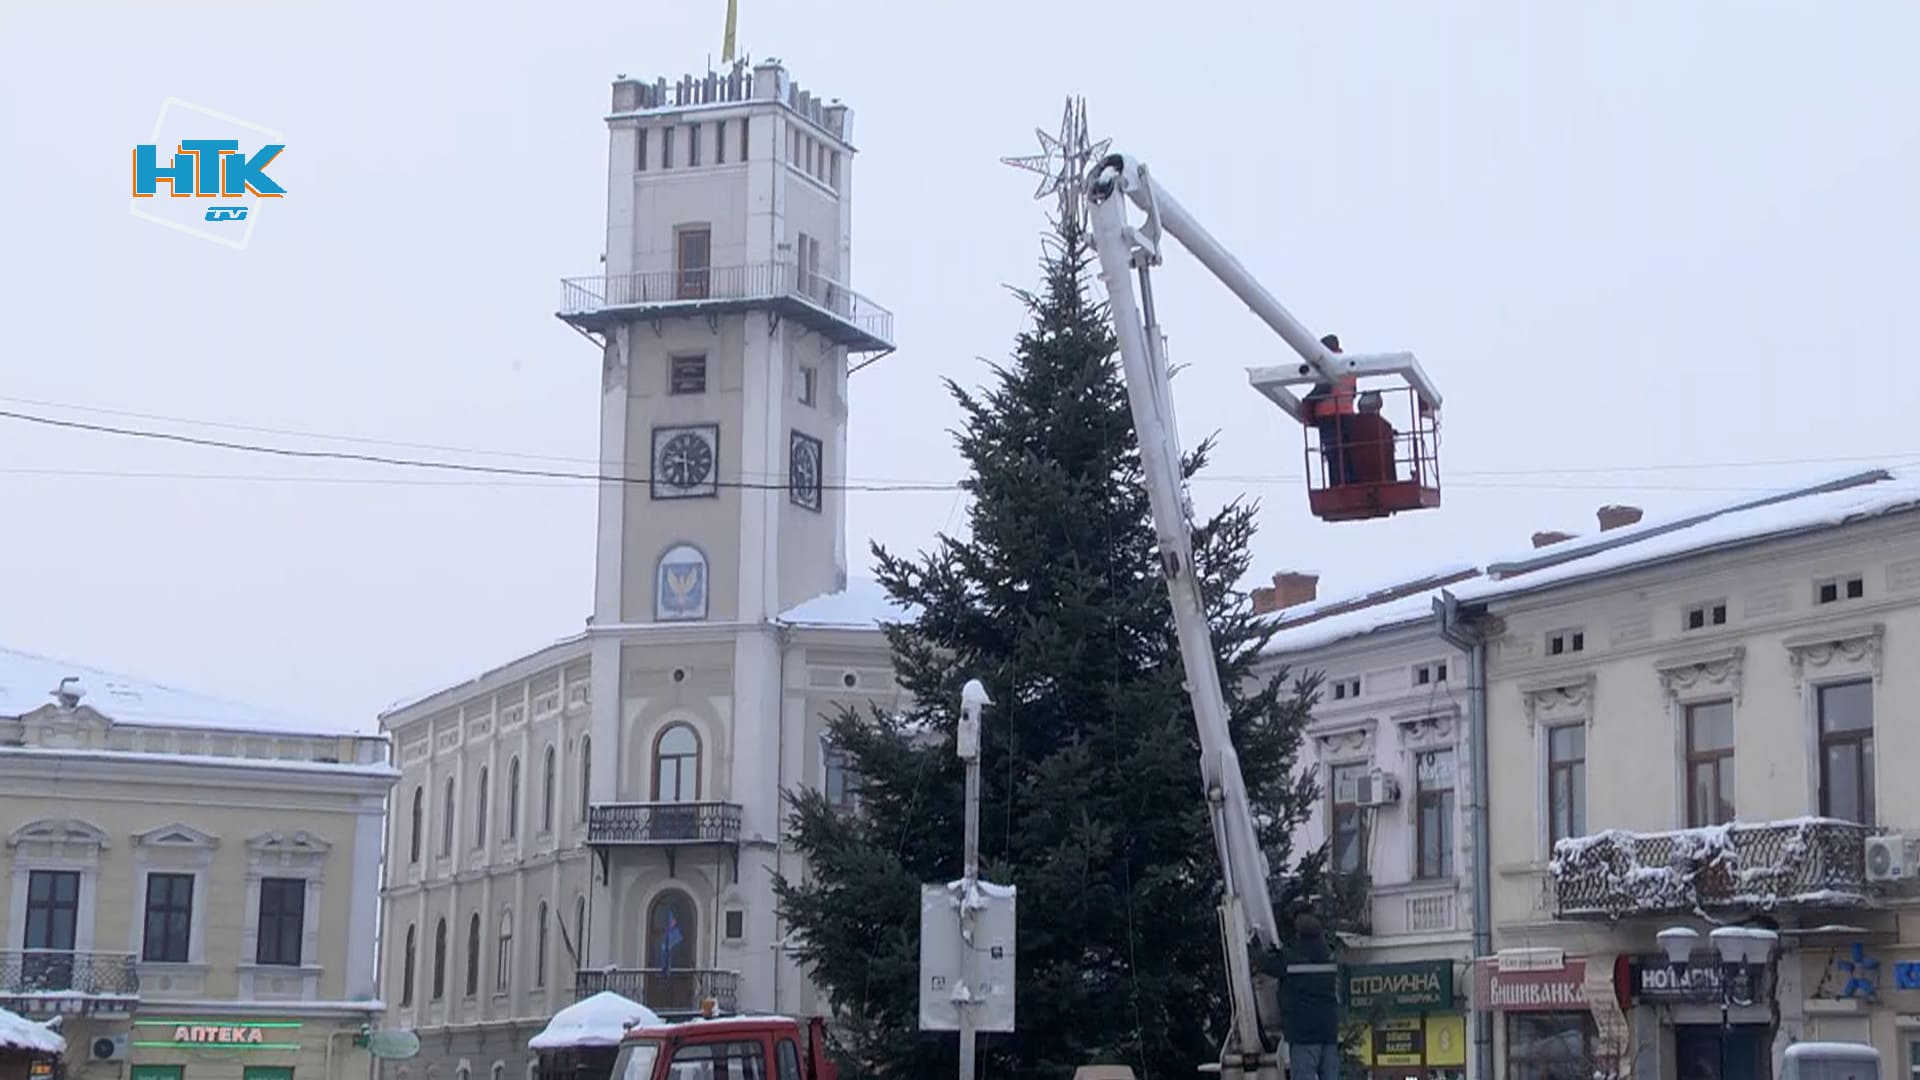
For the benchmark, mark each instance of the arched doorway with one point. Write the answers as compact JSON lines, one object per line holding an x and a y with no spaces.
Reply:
{"x":673,"y":950}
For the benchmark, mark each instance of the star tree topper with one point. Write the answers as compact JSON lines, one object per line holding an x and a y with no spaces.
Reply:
{"x":1064,"y":159}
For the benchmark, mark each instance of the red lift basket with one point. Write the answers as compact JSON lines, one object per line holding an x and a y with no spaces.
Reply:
{"x":1371,"y":440}
{"x":1375,"y":453}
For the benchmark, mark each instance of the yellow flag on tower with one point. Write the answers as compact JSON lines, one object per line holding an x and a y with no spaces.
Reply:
{"x":733,"y":18}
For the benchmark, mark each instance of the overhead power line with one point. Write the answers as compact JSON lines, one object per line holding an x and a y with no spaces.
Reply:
{"x":499,"y":475}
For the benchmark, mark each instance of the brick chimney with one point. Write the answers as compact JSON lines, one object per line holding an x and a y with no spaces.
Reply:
{"x":1290,"y":589}
{"x":1550,"y":538}
{"x":1613,"y":517}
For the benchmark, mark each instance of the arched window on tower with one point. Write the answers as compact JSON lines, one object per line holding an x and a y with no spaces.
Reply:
{"x":676,"y":764}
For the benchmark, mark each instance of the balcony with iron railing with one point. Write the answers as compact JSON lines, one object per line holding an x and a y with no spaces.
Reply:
{"x":819,"y":303}
{"x":45,"y":981}
{"x":1808,"y":863}
{"x":668,"y":993}
{"x":660,"y":824}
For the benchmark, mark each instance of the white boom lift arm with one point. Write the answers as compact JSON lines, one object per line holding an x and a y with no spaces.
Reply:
{"x":1246,"y":906}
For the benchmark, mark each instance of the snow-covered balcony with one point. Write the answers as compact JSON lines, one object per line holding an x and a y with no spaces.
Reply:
{"x":817,"y":302}
{"x":42,"y":982}
{"x":1803,"y":863}
{"x":669,"y":993}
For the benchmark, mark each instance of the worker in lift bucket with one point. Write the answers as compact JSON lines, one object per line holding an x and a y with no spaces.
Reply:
{"x":1309,"y":1000}
{"x":1329,"y":404}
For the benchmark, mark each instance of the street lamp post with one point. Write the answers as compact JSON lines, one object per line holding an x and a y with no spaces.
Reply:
{"x":1744,"y":951}
{"x":973,"y":697}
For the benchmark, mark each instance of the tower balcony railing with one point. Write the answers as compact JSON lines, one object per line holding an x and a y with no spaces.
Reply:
{"x":1808,"y":863}
{"x":34,"y":981}
{"x":663,"y":823}
{"x":818,"y":302}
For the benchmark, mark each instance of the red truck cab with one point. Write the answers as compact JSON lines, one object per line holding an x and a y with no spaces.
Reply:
{"x":727,"y":1048}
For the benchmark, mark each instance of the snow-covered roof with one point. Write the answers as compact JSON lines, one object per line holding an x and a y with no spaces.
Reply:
{"x":28,"y":681}
{"x":600,"y":1020}
{"x":1823,"y":506}
{"x":19,"y":1033}
{"x":862,"y":605}
{"x":1357,"y":622}
{"x":413,"y":699}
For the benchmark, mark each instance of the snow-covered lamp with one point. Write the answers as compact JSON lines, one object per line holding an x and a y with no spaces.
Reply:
{"x":1748,"y":946}
{"x":1677,"y":942}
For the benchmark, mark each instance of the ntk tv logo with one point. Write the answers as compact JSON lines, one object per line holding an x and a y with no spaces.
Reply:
{"x":208,"y":169}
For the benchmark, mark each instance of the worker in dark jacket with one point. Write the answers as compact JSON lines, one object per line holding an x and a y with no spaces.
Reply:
{"x":1309,"y":1001}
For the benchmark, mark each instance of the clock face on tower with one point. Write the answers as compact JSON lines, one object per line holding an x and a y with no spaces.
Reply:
{"x":685,"y":460}
{"x":804,"y":471}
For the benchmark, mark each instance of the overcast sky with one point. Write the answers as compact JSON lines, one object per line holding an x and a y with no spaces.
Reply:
{"x":1651,"y":252}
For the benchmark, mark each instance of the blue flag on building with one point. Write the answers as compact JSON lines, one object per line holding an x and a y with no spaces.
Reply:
{"x":669,"y":940}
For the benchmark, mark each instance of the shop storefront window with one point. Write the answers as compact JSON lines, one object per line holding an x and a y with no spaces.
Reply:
{"x":1913,"y":1058}
{"x":1551,"y":1046}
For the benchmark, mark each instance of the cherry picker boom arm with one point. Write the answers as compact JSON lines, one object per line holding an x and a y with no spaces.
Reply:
{"x":1246,"y":907}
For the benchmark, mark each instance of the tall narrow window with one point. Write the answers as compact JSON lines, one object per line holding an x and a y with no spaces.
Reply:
{"x":480,"y":811}
{"x":1710,"y":764}
{"x":744,"y":121}
{"x":640,"y":150}
{"x":1846,"y":751}
{"x":809,"y":384}
{"x":513,"y":798}
{"x":719,"y":142}
{"x":440,"y":960}
{"x":53,"y":918}
{"x":283,"y":921}
{"x":834,"y":175}
{"x":446,"y":820}
{"x":693,"y":146}
{"x":580,"y":927}
{"x":839,"y":782}
{"x":540,"y":948}
{"x":473,"y":955}
{"x":503,"y":955}
{"x":1349,"y":819}
{"x":1566,"y":782}
{"x":693,"y":250}
{"x":406,"y":970}
{"x":1433,"y":787}
{"x":676,"y":773}
{"x":169,"y":918}
{"x":419,"y":821}
{"x":546,"y":792}
{"x":666,"y":147}
{"x":586,"y":775}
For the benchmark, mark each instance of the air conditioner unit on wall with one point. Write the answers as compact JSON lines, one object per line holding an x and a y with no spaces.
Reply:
{"x":107,"y":1048}
{"x":1892,"y":857}
{"x":1377,"y":788}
